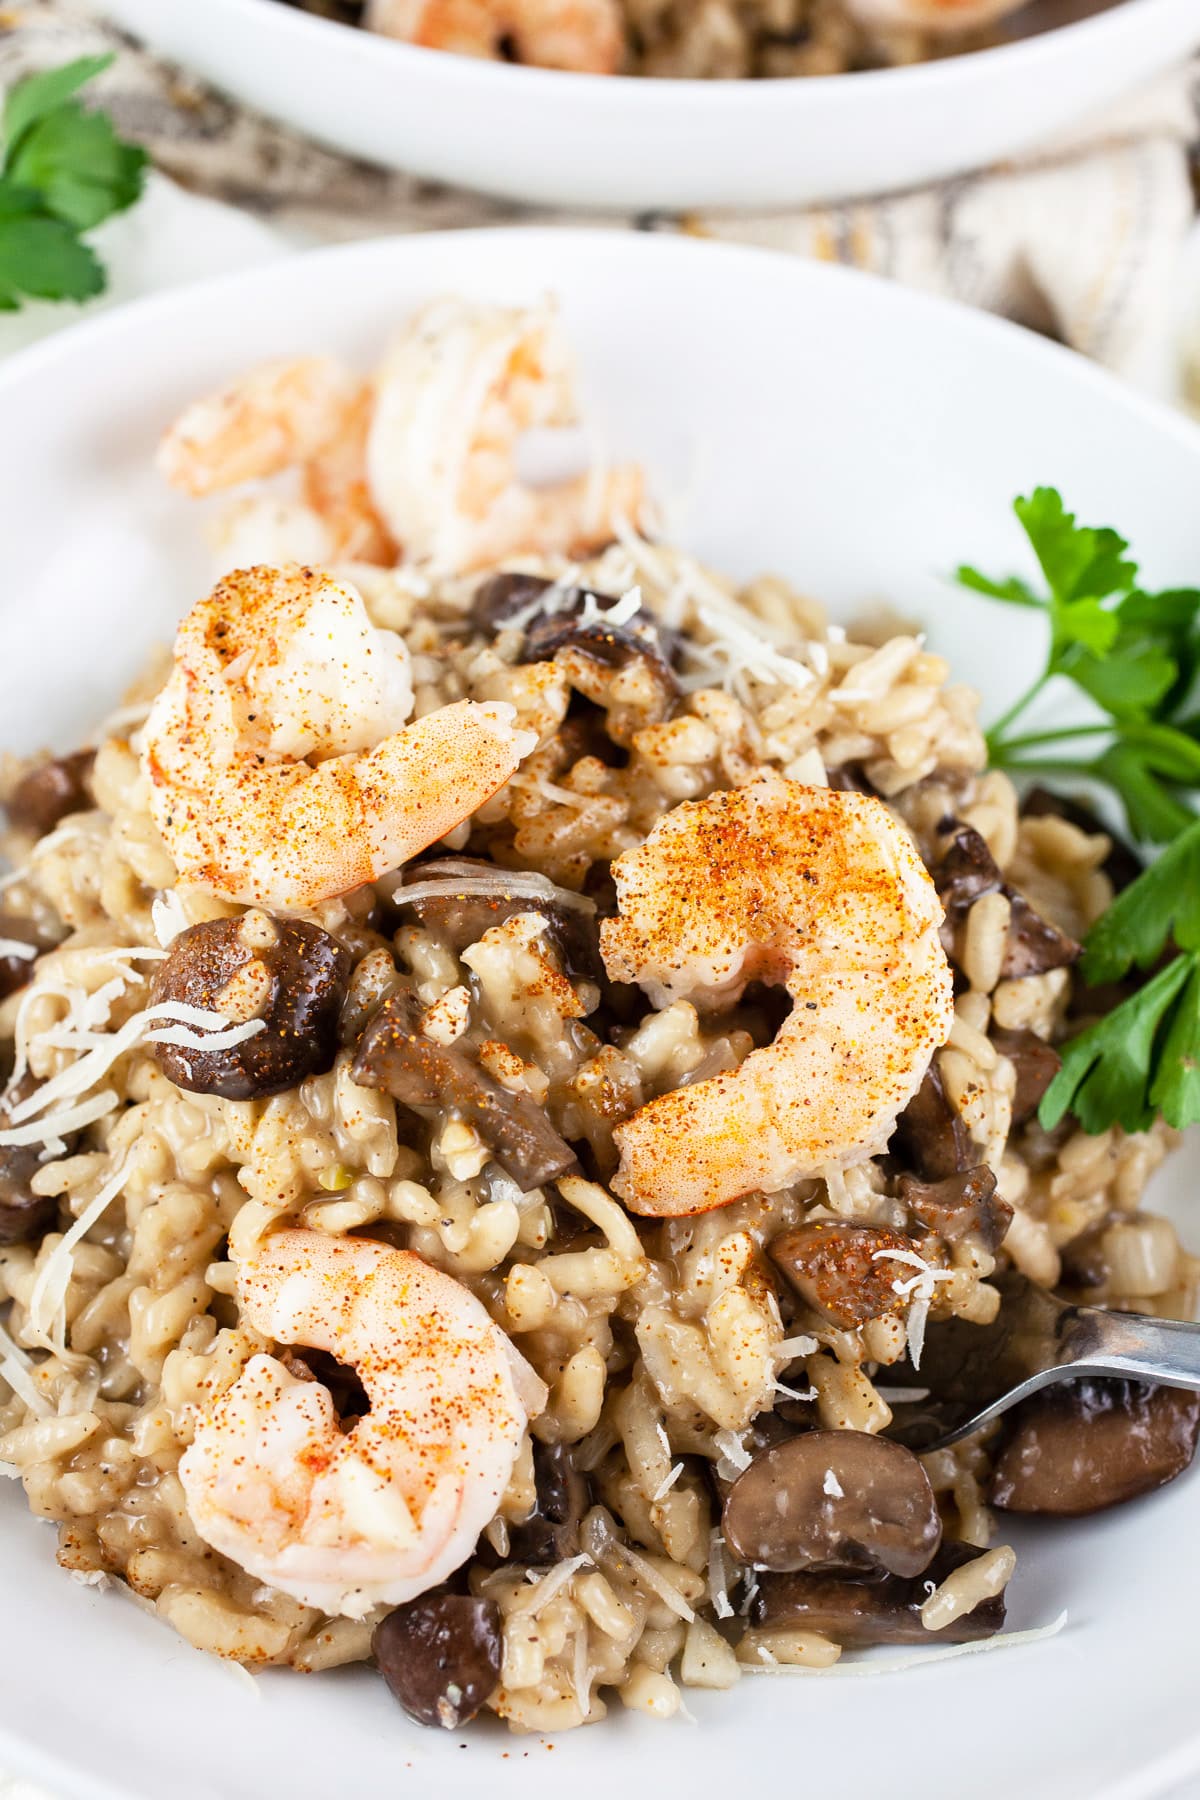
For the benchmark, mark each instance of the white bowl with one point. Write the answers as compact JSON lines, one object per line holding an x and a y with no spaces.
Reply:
{"x":860,"y":439}
{"x":596,"y":141}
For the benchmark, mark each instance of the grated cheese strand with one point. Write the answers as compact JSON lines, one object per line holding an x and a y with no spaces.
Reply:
{"x":18,"y":948}
{"x":46,"y":1307}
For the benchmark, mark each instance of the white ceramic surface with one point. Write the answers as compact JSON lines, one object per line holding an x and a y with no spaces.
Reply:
{"x":594,"y":141}
{"x":860,"y":439}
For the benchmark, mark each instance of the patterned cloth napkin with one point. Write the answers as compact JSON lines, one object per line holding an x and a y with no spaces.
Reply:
{"x":1086,"y":239}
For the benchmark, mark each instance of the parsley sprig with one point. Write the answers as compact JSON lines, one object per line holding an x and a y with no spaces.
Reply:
{"x":63,"y":169}
{"x":1136,"y":655}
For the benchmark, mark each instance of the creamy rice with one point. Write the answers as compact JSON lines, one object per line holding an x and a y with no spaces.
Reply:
{"x":661,"y":1342}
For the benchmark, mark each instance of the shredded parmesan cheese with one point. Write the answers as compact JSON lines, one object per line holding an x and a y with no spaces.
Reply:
{"x":47,"y":1302}
{"x":17,"y":1370}
{"x":731,"y":1449}
{"x":664,"y":1487}
{"x":545,"y":1587}
{"x":505,"y":884}
{"x":832,"y":1486}
{"x":718,"y":1586}
{"x":167,"y":916}
{"x":919,"y":1291}
{"x":16,"y":947}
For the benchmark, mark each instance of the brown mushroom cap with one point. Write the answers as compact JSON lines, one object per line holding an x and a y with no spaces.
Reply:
{"x":16,"y":971}
{"x":24,"y":1215}
{"x":461,"y":919}
{"x":1081,"y":1446}
{"x":857,"y":1614}
{"x":835,"y":1502}
{"x":843,"y":1271}
{"x":551,"y":1532}
{"x":287,"y":972}
{"x":967,"y":870}
{"x":961,"y":1206}
{"x":930,"y":1134}
{"x":395,"y":1055}
{"x":44,"y":797}
{"x":1035,"y":1063}
{"x":440,"y":1656}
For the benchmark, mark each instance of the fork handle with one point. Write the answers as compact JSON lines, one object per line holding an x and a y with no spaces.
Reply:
{"x":1113,"y":1343}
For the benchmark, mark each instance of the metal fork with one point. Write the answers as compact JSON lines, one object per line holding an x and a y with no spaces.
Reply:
{"x":974,"y":1373}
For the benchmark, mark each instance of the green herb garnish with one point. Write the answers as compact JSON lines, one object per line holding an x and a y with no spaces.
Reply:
{"x":63,"y":169}
{"x":1136,"y":655}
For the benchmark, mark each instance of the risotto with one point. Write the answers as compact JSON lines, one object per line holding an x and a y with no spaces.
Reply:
{"x":465,"y":1203}
{"x":698,"y":39}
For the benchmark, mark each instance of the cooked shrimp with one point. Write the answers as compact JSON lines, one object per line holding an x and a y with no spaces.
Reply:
{"x":456,"y":391}
{"x":939,"y":17}
{"x":346,"y":1521}
{"x":282,"y":771}
{"x":306,"y":413}
{"x":776,"y":882}
{"x":582,"y":35}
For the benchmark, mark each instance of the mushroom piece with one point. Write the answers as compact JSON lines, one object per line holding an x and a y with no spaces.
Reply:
{"x":24,"y":1216}
{"x":440,"y":1655}
{"x":551,"y":1532}
{"x":843,"y":1271}
{"x":964,"y":1205}
{"x":16,"y":968}
{"x":930,"y":1133}
{"x":44,"y":797}
{"x":395,"y":1056}
{"x":461,"y":919}
{"x":551,"y":615}
{"x":570,"y":625}
{"x":966,"y":872}
{"x":1035,"y":1062}
{"x":288,"y":973}
{"x":1085,"y":1445}
{"x":857,"y":1614}
{"x":834,"y":1502}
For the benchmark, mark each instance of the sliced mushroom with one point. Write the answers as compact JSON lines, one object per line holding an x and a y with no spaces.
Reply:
{"x":394,"y":1056}
{"x":967,"y":870}
{"x":44,"y":797}
{"x":1035,"y":1062}
{"x":570,"y":626}
{"x":857,"y":1614}
{"x":24,"y":1216}
{"x":552,"y":616}
{"x":965,"y":1205}
{"x":834,"y":1502}
{"x":843,"y":1271}
{"x":1084,"y":1445}
{"x":930,"y":1134}
{"x":16,"y":970}
{"x":440,"y":1656}
{"x":551,"y":1532}
{"x":461,"y":919}
{"x":288,"y":973}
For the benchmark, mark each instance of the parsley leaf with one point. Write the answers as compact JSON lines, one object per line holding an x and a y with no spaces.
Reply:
{"x":1110,"y":1072}
{"x":1136,"y":655}
{"x":1162,"y":904}
{"x":1078,"y":561}
{"x":64,"y":170}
